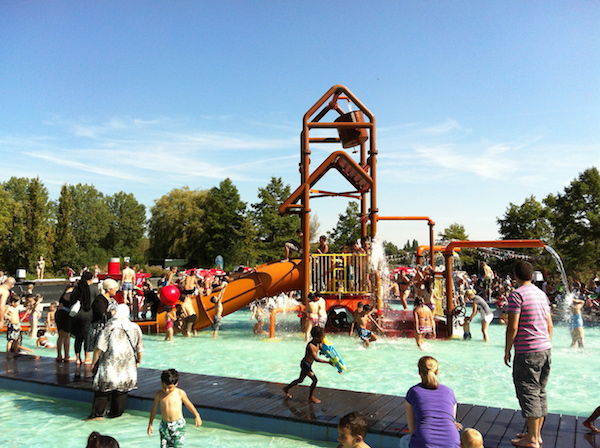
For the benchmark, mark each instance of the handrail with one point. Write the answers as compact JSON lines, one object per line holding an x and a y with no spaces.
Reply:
{"x":339,"y":273}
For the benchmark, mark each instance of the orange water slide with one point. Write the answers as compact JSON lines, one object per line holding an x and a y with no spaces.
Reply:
{"x":268,"y":280}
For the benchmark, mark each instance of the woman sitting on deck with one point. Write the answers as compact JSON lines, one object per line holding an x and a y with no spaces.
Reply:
{"x":430,"y":411}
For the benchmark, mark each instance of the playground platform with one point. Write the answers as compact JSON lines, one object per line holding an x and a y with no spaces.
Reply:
{"x":260,"y":406}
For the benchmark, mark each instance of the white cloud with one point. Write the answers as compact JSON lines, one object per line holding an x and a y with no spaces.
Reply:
{"x":445,"y":127}
{"x":490,"y":163}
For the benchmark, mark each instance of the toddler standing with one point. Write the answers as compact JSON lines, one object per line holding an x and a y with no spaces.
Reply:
{"x":171,"y":400}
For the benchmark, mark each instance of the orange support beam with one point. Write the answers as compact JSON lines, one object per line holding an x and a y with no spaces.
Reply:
{"x":454,"y":245}
{"x":430,"y":223}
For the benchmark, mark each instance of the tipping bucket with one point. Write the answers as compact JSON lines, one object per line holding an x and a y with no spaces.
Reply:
{"x":114,"y":266}
{"x":351,"y":137}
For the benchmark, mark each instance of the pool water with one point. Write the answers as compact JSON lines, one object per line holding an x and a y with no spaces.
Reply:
{"x":33,"y":420}
{"x":474,"y":369}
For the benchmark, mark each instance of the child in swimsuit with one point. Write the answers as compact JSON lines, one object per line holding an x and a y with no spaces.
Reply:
{"x":424,"y":322}
{"x":362,"y":320}
{"x":576,"y":323}
{"x":42,"y":340}
{"x":310,"y":355}
{"x":171,"y":317}
{"x":171,"y":400}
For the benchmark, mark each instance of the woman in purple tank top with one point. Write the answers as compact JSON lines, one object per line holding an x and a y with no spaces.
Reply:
{"x":430,"y":411}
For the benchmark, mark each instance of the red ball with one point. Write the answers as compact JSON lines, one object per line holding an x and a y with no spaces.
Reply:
{"x":169,"y":295}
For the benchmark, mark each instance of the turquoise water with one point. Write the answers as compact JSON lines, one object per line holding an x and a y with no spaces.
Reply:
{"x":474,"y":369}
{"x":33,"y":420}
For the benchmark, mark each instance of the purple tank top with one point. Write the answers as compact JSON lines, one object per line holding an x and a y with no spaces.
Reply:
{"x":434,"y":417}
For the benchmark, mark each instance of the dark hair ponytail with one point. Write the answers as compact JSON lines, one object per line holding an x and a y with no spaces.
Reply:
{"x":97,"y":440}
{"x":82,"y":291}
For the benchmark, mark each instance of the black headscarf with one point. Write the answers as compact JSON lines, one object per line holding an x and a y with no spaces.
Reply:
{"x":82,"y":292}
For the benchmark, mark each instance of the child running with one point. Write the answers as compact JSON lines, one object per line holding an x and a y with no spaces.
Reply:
{"x":352,"y":431}
{"x":171,"y":399}
{"x":310,"y":355}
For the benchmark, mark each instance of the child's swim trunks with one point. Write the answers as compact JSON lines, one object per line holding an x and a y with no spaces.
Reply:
{"x":363,"y":333}
{"x":172,"y":434}
{"x":305,"y":367}
{"x":12,"y":332}
{"x":216,"y":322}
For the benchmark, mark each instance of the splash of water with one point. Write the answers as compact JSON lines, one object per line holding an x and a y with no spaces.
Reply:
{"x":561,"y":268}
{"x":569,"y":295}
{"x":378,"y":263}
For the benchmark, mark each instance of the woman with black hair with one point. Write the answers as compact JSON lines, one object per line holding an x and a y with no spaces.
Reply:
{"x":97,"y":440}
{"x":63,"y":325}
{"x":81,"y":318}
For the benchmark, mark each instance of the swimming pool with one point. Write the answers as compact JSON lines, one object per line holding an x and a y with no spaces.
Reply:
{"x":474,"y":369}
{"x":34,"y":420}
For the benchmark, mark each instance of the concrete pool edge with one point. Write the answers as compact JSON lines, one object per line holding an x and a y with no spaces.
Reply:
{"x":254,"y":422}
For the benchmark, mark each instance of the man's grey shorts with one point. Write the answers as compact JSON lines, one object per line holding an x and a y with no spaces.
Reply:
{"x":530,"y":375}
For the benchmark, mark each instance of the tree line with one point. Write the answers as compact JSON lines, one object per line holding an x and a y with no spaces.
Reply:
{"x":86,"y":227}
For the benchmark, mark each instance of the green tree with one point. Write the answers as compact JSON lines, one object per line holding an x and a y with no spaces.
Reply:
{"x":391,"y":249}
{"x":526,"y":221}
{"x":454,"y":232}
{"x":66,"y":252}
{"x":29,"y":225}
{"x":272,"y":229}
{"x":126,"y":227}
{"x":575,"y":218}
{"x":224,"y":224}
{"x":347,"y":228}
{"x":91,"y":220}
{"x":176,"y":225}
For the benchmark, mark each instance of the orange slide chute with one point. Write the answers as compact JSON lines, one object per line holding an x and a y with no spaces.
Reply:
{"x":268,"y":280}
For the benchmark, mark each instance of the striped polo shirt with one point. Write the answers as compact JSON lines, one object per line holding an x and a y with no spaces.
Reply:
{"x":532,"y":305}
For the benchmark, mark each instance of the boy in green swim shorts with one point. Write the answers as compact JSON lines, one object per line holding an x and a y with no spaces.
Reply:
{"x":171,"y":400}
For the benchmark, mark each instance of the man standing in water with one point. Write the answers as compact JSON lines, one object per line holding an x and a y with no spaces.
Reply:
{"x":127,"y":284}
{"x":488,"y":274}
{"x":529,"y":330}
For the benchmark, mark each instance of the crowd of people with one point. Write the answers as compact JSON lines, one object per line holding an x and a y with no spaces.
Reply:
{"x":106,"y":339}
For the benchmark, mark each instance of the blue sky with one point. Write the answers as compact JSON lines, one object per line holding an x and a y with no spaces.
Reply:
{"x":478,"y":103}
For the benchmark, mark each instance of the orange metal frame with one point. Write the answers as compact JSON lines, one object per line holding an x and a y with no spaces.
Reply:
{"x":362,"y":175}
{"x":423,"y":248}
{"x":430,"y":223}
{"x":454,"y":245}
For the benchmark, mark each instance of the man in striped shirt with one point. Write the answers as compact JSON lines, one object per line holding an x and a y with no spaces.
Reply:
{"x":529,"y":330}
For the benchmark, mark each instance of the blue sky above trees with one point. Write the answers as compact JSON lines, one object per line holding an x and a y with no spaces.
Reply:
{"x":478,"y":104}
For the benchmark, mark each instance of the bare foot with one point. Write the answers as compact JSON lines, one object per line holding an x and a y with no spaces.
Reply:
{"x":59,"y":359}
{"x":93,"y":419}
{"x":313,"y":400}
{"x":77,"y":362}
{"x":589,"y":425}
{"x":286,"y":393}
{"x":66,"y":360}
{"x":520,"y":435}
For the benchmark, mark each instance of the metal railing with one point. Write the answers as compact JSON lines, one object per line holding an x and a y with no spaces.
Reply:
{"x":339,"y":273}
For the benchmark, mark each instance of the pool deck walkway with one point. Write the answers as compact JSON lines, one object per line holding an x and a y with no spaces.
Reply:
{"x":260,"y":406}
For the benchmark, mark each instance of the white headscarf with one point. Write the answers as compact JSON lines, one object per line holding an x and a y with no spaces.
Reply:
{"x":122,"y":312}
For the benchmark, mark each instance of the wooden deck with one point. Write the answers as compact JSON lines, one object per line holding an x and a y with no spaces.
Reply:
{"x":259,"y":405}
